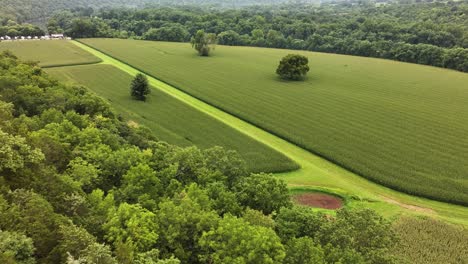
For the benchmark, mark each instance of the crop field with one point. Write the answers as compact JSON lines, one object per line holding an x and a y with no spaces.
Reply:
{"x":49,"y":53}
{"x":171,"y":120}
{"x":425,"y":240}
{"x":398,"y":124}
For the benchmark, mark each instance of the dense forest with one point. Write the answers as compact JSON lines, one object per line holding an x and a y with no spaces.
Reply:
{"x":425,"y":33}
{"x":38,"y":11}
{"x":78,"y":185}
{"x":12,"y":29}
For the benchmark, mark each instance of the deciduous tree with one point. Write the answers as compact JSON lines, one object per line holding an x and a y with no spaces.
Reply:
{"x":293,"y":67}
{"x":204,"y":42}
{"x":236,"y":241}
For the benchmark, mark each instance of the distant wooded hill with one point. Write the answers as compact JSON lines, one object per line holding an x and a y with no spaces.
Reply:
{"x":37,"y":11}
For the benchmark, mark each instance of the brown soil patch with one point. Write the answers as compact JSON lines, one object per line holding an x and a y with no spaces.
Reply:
{"x":319,"y":200}
{"x":409,"y":206}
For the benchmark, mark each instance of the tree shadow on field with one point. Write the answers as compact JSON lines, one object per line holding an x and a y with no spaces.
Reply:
{"x":305,"y":79}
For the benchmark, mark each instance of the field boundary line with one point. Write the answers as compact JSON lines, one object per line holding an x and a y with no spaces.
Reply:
{"x":72,"y":64}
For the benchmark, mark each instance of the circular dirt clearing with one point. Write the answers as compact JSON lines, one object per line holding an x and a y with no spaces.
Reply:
{"x":320,"y":200}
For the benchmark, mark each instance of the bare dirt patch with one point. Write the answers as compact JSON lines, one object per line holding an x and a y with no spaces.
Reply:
{"x":320,"y":200}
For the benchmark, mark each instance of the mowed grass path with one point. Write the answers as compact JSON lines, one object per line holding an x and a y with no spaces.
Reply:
{"x":170,"y":119}
{"x":401,"y":125}
{"x":49,"y":53}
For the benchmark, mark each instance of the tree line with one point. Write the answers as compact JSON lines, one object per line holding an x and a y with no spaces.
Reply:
{"x":426,"y":33}
{"x":79,"y":185}
{"x":38,"y":11}
{"x":12,"y":29}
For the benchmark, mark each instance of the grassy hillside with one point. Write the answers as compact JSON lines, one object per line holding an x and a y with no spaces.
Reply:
{"x":398,"y":124}
{"x":49,"y":53}
{"x":170,"y":119}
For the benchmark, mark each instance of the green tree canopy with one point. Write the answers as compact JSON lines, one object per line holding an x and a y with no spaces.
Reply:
{"x":263,"y":192}
{"x":132,"y":223}
{"x":15,"y":153}
{"x":139,"y":87}
{"x":293,"y":67}
{"x":303,"y":250}
{"x":16,"y":248}
{"x":236,"y":241}
{"x":204,"y":42}
{"x":141,"y":185}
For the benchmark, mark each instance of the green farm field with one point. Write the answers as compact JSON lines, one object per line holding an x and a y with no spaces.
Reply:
{"x":49,"y":53}
{"x":170,"y":119}
{"x":400,"y":125}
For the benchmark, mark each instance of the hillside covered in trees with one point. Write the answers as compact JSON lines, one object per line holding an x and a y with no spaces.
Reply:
{"x":38,"y":11}
{"x":426,"y":33}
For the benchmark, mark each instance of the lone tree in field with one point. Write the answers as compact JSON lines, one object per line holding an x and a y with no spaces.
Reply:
{"x":139,"y":87}
{"x":203,"y":42}
{"x":293,"y":67}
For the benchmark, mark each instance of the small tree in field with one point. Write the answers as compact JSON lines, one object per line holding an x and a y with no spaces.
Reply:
{"x":139,"y":87}
{"x":293,"y":67}
{"x":203,"y":42}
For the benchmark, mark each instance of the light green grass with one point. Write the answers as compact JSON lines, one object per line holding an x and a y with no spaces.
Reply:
{"x":401,"y":125}
{"x":49,"y":53}
{"x":315,"y":171}
{"x":170,"y":119}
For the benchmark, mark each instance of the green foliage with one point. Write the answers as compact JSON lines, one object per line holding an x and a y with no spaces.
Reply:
{"x":362,"y":231}
{"x":303,"y":250}
{"x":203,"y":42}
{"x":132,"y":223}
{"x":15,"y":154}
{"x":262,"y":192}
{"x":223,"y":200}
{"x":139,"y":87}
{"x":298,"y":222}
{"x":181,"y":224}
{"x":425,"y":240}
{"x":174,"y":32}
{"x":99,"y":205}
{"x":257,"y":218}
{"x":30,"y":214}
{"x":73,"y":241}
{"x":141,"y":185}
{"x":417,"y":105}
{"x":230,"y":38}
{"x":94,"y":253}
{"x":83,"y":172}
{"x":228,"y":162}
{"x":235,"y":241}
{"x":16,"y":248}
{"x":12,"y":29}
{"x":293,"y":67}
